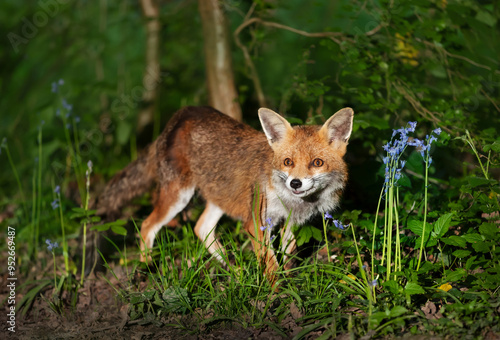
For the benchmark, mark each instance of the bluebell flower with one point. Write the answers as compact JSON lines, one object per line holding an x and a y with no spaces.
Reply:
{"x":66,"y":105}
{"x":77,"y":119}
{"x":327,"y":215}
{"x":397,"y":175}
{"x":415,"y":142}
{"x":393,"y":152}
{"x":55,"y":204}
{"x":403,"y":163}
{"x":269,"y":221}
{"x":412,"y":127}
{"x":339,"y":225}
{"x":373,"y":283}
{"x":55,"y":85}
{"x":50,"y":245}
{"x":437,"y":131}
{"x":90,"y":165}
{"x":57,"y":189}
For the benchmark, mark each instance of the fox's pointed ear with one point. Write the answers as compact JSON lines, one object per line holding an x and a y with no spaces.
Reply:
{"x":339,"y":126}
{"x":275,"y":127}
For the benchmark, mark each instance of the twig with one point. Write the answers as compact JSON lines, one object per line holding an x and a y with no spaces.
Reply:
{"x":490,"y":99}
{"x":248,"y":59}
{"x":472,"y":62}
{"x":402,"y":88}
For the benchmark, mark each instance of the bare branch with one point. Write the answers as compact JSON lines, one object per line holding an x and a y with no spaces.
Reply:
{"x":337,"y":37}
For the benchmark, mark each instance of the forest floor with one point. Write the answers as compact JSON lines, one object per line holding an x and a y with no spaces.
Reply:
{"x":99,"y":313}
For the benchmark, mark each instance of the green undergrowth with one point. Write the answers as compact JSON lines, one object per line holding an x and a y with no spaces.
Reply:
{"x":315,"y":297}
{"x":427,"y":262}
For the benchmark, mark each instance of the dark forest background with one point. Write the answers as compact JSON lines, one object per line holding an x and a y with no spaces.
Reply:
{"x":435,"y":62}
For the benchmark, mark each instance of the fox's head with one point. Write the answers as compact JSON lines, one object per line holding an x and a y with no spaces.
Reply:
{"x":309,"y":159}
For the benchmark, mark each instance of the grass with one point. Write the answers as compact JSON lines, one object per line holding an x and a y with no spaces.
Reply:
{"x":420,"y":271}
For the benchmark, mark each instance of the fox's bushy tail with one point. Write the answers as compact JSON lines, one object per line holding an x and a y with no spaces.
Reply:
{"x":132,"y":181}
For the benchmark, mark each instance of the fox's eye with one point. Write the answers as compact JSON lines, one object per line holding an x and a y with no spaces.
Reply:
{"x":288,"y":162}
{"x":317,"y":162}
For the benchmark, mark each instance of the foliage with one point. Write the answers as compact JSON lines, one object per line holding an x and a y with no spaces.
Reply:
{"x":72,"y":90}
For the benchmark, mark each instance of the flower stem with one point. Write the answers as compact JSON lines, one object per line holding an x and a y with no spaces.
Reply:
{"x":85,"y":227}
{"x":64,"y":242}
{"x":426,"y":180}
{"x":326,"y":238}
{"x":55,"y":277}
{"x":374,"y":233}
{"x":16,"y":175}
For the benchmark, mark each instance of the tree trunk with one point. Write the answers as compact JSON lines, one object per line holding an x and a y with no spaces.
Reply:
{"x":151,"y":76}
{"x":220,"y":79}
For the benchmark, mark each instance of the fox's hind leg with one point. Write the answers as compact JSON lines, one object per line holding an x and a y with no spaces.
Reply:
{"x":205,"y":229}
{"x":172,"y":199}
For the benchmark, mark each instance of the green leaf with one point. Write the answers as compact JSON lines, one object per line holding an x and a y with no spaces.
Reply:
{"x":481,"y":246}
{"x":392,"y":286}
{"x":472,"y":238}
{"x":455,"y":275}
{"x":106,"y":226}
{"x":489,"y":231}
{"x":119,"y":230}
{"x":101,"y":227}
{"x":470,"y":262}
{"x":137,"y":298}
{"x":460,"y":253}
{"x":477,"y":181}
{"x":398,"y":310}
{"x":304,"y":235}
{"x":486,"y":18}
{"x":317,"y":234}
{"x":416,"y":227}
{"x":413,"y":288}
{"x":495,"y":147}
{"x":455,"y":240}
{"x":442,"y":225}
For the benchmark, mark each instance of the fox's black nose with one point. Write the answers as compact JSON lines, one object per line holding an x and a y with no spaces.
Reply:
{"x":295,"y":183}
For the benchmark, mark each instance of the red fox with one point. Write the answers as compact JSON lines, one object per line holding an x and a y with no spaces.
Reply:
{"x":278,"y":178}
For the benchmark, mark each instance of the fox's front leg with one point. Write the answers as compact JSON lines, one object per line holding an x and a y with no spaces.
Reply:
{"x":261,"y":242}
{"x":288,"y":245}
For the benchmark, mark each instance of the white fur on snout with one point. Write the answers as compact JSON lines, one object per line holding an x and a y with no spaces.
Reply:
{"x":305,"y":188}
